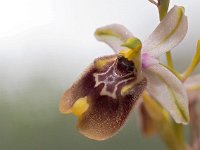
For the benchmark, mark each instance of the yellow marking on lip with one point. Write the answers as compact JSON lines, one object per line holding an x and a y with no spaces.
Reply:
{"x":126,"y":88}
{"x":99,"y":64}
{"x":80,"y":106}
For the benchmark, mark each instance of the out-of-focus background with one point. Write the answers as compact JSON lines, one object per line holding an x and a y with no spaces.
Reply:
{"x":44,"y":46}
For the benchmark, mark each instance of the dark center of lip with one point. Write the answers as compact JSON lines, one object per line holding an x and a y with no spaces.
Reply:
{"x":124,"y":66}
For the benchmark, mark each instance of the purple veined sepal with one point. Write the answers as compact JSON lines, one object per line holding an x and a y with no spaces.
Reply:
{"x":111,"y":88}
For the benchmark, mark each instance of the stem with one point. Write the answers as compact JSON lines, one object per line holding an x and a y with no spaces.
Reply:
{"x":188,"y":72}
{"x":194,"y":63}
{"x":163,"y":6}
{"x":169,"y":60}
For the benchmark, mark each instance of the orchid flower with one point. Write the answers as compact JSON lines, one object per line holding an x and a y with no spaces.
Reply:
{"x":162,"y":84}
{"x":105,"y":94}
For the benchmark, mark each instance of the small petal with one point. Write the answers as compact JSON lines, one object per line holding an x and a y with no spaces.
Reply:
{"x":192,"y":85}
{"x":114,"y":35}
{"x":168,"y":91}
{"x":169,"y":33}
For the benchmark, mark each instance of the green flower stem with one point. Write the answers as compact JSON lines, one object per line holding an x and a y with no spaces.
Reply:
{"x":194,"y":63}
{"x":163,"y":6}
{"x":169,"y":60}
{"x":190,"y":69}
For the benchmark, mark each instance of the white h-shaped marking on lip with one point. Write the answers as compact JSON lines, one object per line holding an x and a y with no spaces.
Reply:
{"x":104,"y":91}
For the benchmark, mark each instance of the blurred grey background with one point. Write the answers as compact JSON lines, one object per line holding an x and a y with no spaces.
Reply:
{"x":45,"y":45}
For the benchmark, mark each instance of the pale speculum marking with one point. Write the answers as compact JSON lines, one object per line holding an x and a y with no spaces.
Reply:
{"x":111,"y":80}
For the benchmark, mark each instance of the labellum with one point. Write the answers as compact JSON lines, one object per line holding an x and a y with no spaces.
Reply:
{"x":104,"y":96}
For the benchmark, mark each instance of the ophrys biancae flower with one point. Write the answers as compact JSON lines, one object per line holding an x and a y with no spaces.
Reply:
{"x":105,"y":94}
